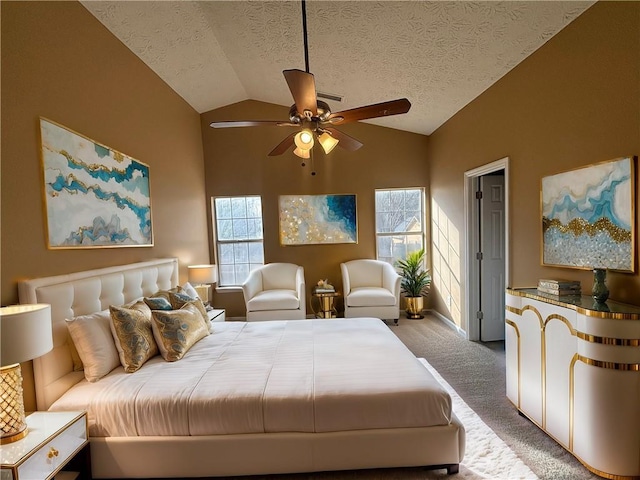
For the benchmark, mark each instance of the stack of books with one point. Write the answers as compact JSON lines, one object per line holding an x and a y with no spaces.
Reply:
{"x":559,"y":287}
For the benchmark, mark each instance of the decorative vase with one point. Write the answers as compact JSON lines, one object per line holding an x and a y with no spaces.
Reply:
{"x":600,"y":291}
{"x":414,"y":306}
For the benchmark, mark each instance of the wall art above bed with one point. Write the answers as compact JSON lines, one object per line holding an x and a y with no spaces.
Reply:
{"x":318,"y":219}
{"x":588,"y":217}
{"x":95,"y":197}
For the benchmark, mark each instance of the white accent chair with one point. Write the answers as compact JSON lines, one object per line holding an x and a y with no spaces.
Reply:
{"x":371,"y":289}
{"x":275,"y":291}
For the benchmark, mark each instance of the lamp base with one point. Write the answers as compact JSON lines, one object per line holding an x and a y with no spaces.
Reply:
{"x":12,"y":421}
{"x":203,"y":292}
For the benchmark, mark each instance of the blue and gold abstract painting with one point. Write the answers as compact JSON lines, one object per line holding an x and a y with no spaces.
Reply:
{"x":318,"y":219}
{"x":95,"y":196}
{"x":588,"y":217}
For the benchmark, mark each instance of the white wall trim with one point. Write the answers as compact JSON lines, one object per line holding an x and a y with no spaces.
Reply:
{"x":449,"y":323}
{"x":471,"y":240}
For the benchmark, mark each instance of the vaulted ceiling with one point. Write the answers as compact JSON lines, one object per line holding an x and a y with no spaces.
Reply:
{"x":438,"y":54}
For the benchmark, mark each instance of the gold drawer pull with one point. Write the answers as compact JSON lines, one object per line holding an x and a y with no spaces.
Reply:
{"x":52,"y":453}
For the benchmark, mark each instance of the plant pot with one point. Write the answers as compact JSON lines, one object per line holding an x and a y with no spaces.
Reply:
{"x":414,"y":306}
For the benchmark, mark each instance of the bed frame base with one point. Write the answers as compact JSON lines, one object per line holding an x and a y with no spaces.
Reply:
{"x":277,"y":453}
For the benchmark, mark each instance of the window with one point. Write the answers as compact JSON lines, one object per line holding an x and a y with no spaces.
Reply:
{"x":239,"y":242}
{"x":399,"y":223}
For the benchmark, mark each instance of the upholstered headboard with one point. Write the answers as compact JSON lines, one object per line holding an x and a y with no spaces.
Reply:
{"x":82,"y":293}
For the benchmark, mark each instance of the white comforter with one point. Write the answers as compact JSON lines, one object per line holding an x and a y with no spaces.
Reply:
{"x":279,"y":376}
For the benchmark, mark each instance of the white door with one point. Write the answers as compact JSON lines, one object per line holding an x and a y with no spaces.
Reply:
{"x":492,"y":258}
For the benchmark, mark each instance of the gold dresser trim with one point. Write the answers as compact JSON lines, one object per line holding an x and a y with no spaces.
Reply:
{"x":515,"y":327}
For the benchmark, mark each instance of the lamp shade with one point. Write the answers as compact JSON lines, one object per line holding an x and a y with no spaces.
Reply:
{"x":301,"y":153}
{"x":25,"y":332}
{"x":327,"y":142}
{"x":199,"y":274}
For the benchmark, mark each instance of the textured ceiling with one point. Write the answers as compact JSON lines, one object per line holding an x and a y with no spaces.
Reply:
{"x":438,"y":54}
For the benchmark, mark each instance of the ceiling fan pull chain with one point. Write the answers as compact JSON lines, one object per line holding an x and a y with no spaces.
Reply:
{"x":304,"y":33}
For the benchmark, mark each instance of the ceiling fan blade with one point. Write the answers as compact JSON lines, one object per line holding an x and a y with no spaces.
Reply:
{"x":345,"y":141}
{"x":252,"y":123}
{"x":384,"y":109}
{"x":283,"y":146}
{"x":303,"y":90}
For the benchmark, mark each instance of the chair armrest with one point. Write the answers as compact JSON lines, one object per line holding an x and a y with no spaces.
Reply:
{"x":252,"y":285}
{"x":346,"y":285}
{"x":301,"y":286}
{"x":391,"y":280}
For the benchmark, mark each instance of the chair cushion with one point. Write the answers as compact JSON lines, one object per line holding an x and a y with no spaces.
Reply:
{"x":370,"y":297}
{"x":274,"y":300}
{"x":365,"y":273}
{"x":279,"y":276}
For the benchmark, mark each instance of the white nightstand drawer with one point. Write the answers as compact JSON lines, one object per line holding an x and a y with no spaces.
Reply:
{"x":54,"y":438}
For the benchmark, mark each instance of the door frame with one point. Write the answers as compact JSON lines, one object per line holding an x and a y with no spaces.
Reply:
{"x":471,"y":218}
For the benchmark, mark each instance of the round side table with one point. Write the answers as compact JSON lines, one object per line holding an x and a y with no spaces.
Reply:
{"x":325,"y":303}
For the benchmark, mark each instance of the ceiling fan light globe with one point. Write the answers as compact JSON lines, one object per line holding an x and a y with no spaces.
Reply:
{"x":328,"y":142}
{"x":302,"y":153}
{"x":304,"y":139}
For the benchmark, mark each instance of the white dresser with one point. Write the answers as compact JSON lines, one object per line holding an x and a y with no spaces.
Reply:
{"x":573,"y":368}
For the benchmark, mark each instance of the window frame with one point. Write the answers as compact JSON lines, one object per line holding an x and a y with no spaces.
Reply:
{"x":217,"y":241}
{"x":423,"y":210}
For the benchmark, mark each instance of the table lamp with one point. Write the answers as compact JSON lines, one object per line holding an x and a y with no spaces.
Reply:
{"x":200,"y":276}
{"x":25,"y":333}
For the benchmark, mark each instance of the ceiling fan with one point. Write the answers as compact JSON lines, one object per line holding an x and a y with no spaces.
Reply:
{"x":313,"y":118}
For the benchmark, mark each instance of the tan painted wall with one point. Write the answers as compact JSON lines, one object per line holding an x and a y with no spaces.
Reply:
{"x":574,"y":102}
{"x":236,"y":163}
{"x":59,"y":62}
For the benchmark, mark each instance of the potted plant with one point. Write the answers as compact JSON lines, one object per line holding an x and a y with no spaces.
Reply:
{"x":415,"y":282}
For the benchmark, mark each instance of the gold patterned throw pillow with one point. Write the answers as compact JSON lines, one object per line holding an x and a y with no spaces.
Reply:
{"x":179,"y":300}
{"x":176,"y":331}
{"x":133,"y":335}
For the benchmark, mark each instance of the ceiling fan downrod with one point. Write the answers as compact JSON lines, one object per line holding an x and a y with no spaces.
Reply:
{"x":304,"y":33}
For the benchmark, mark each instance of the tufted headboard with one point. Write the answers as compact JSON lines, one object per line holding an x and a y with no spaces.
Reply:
{"x":82,"y":293}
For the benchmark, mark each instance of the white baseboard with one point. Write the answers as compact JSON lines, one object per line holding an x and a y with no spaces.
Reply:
{"x":448,"y":322}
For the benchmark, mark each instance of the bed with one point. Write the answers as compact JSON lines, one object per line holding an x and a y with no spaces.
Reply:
{"x":248,"y":399}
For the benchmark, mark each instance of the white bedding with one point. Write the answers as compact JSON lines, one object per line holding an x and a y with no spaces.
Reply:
{"x":280,"y":376}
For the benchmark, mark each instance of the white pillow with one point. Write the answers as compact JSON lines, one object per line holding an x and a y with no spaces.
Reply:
{"x":189,"y":290}
{"x":91,"y":334}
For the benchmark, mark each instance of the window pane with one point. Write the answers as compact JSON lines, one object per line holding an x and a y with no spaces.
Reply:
{"x":225,"y":254}
{"x":414,"y":221}
{"x":383,"y":223}
{"x":254,"y":207}
{"x":223,"y":208}
{"x":225,"y":230}
{"x":239,"y":207}
{"x":241,"y":253}
{"x":227,"y":275}
{"x":397,"y":200}
{"x":256,"y":253}
{"x":254,"y":229}
{"x":242,"y":272}
{"x":413,"y":200}
{"x":383,"y":200}
{"x":384,"y":248}
{"x":240,"y":229}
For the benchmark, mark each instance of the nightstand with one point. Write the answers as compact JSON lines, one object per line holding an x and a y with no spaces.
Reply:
{"x":55,"y":440}
{"x":216,"y":315}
